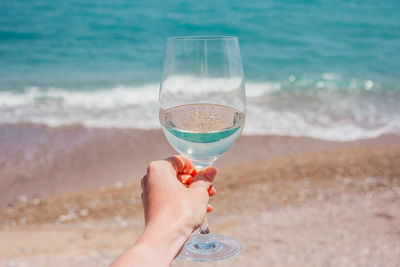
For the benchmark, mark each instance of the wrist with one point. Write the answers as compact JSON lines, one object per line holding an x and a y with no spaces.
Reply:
{"x":164,"y":239}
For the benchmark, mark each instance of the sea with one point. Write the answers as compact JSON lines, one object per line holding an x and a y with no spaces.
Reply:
{"x":317,"y":68}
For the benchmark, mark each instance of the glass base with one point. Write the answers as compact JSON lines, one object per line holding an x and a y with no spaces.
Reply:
{"x":210,"y":247}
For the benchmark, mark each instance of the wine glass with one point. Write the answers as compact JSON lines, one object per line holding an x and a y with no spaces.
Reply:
{"x":202,"y":105}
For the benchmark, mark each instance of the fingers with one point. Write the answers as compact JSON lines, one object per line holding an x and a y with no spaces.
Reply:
{"x":182,"y":164}
{"x":204,"y":178}
{"x":202,"y":184}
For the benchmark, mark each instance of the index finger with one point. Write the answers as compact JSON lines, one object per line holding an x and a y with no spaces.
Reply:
{"x":181,"y":164}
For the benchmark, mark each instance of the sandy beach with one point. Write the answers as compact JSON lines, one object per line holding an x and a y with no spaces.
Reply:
{"x":70,"y":197}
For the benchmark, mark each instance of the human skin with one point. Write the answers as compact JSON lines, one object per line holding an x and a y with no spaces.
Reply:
{"x":172,"y":210}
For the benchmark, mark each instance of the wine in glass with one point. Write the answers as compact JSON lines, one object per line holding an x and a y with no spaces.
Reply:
{"x":202,"y":105}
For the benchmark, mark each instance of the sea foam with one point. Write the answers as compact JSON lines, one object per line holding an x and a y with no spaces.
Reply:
{"x":271,"y":109}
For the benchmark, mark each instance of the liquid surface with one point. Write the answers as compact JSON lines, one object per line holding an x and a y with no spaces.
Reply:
{"x":202,"y":132}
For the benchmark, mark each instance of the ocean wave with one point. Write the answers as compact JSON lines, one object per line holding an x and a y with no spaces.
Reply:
{"x":320,"y":125}
{"x":272,"y":109}
{"x":119,"y":96}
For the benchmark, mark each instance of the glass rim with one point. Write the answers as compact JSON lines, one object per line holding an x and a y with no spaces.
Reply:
{"x":203,"y":37}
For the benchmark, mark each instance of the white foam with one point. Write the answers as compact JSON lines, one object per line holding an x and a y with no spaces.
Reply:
{"x":119,"y":96}
{"x":293,"y":124}
{"x":257,"y":89}
{"x":199,"y":86}
{"x":326,"y":116}
{"x":330,"y":76}
{"x":120,"y":106}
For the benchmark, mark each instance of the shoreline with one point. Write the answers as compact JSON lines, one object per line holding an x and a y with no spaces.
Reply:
{"x":37,"y":161}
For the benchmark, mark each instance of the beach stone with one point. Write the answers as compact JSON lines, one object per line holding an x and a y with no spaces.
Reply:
{"x":23,"y":198}
{"x":83,"y":212}
{"x":36,"y":201}
{"x":22,"y":220}
{"x":369,"y":180}
{"x":124,"y":224}
{"x":119,"y":184}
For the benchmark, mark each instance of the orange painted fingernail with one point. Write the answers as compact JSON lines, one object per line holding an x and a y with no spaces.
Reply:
{"x":211,"y":191}
{"x":209,"y":208}
{"x":186,"y":178}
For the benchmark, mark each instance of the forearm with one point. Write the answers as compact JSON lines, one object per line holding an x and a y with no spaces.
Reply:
{"x":138,"y":255}
{"x":157,"y":246}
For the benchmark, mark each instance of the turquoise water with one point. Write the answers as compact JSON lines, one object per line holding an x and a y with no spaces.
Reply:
{"x":92,"y":44}
{"x":202,"y":137}
{"x":202,"y":123}
{"x":99,"y":63}
{"x":201,"y":147}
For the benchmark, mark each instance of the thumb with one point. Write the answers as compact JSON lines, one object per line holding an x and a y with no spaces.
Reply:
{"x":204,"y":178}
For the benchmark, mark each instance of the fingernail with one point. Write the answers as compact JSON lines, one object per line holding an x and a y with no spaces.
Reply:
{"x":185,"y":178}
{"x":210,"y":172}
{"x":209,"y":208}
{"x":211,"y":191}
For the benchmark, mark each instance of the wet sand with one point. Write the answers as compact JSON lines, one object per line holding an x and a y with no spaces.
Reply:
{"x":70,"y":197}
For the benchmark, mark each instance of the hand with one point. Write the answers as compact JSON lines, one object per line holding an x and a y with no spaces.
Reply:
{"x":175,"y":200}
{"x":165,"y":198}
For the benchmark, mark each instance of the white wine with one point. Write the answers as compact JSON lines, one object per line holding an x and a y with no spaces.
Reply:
{"x":202,"y":132}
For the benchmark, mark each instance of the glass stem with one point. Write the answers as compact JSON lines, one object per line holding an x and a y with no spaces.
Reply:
{"x":204,"y":227}
{"x":204,"y":231}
